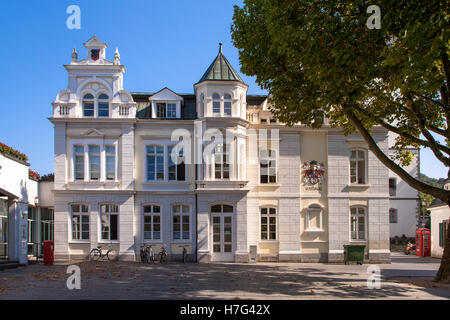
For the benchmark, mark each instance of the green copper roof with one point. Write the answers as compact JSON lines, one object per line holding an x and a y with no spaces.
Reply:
{"x":221,"y":69}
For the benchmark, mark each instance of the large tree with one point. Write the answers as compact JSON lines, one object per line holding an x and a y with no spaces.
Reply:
{"x":320,"y":59}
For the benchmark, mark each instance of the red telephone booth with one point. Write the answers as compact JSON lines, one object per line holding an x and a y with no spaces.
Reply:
{"x":423,"y":242}
{"x":48,"y":252}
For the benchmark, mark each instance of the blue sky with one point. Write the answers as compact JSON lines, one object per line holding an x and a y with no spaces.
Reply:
{"x":161,"y":43}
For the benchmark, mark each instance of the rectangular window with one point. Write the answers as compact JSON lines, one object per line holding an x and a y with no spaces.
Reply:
{"x":181,"y":222}
{"x":110,"y":159}
{"x":110,"y":217}
{"x":78,"y":162}
{"x":94,"y":162}
{"x":393,"y":216}
{"x":268,"y":166}
{"x":268,"y":224}
{"x":88,"y":109}
{"x":358,"y":223}
{"x":216,"y":107}
{"x":443,"y":227}
{"x":160,"y":110}
{"x":357,"y":167}
{"x":171,"y":110}
{"x":155,"y":163}
{"x":392,"y":187}
{"x":176,"y":169}
{"x":80,"y":222}
{"x":221,"y":165}
{"x":227,"y":108}
{"x":152,"y":222}
{"x":103,"y":109}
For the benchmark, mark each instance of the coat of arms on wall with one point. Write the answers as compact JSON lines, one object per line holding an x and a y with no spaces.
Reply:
{"x":313,"y":172}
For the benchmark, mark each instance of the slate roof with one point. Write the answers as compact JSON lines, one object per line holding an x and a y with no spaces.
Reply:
{"x":220,"y":69}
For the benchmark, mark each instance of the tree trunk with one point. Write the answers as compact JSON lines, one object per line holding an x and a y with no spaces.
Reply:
{"x":444,"y":269}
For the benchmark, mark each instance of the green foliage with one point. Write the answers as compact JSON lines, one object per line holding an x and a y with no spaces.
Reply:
{"x":318,"y":58}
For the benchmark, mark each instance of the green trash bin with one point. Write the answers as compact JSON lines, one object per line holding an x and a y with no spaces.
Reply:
{"x":354,"y":252}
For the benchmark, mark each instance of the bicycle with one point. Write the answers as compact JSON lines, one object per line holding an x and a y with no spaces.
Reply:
{"x":96,"y":254}
{"x":163,"y":255}
{"x":147,"y":253}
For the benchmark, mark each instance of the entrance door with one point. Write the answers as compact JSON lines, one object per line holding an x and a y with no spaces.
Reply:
{"x":222,"y":233}
{"x":3,"y":229}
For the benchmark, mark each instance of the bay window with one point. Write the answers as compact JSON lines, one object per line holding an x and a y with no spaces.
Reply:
{"x":221,"y":166}
{"x":227,"y":104}
{"x":216,"y":104}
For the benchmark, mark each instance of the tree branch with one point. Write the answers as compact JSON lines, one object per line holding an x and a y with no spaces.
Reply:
{"x":405,"y":176}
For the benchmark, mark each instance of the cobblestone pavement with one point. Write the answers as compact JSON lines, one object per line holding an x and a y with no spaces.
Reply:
{"x":128,"y":280}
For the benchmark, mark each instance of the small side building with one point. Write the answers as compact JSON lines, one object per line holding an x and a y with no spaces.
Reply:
{"x":440,"y":217}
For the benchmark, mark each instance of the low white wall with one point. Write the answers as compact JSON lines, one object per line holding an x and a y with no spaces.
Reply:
{"x":438,"y":214}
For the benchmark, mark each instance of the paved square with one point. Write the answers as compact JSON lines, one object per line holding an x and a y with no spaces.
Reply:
{"x":128,"y":280}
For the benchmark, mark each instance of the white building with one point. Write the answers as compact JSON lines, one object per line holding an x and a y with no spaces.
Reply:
{"x":404,"y":201}
{"x":294,"y":193}
{"x":440,"y":218}
{"x":18,"y":194}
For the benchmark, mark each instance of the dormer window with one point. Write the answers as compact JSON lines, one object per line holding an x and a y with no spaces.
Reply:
{"x":103,"y":105}
{"x":166,"y":110}
{"x":88,"y":105}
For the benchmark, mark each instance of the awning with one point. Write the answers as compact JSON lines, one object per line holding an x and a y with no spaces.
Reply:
{"x":4,"y":193}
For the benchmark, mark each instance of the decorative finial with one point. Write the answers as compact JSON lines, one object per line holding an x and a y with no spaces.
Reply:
{"x":117,"y":56}
{"x":220,"y":47}
{"x":74,"y":54}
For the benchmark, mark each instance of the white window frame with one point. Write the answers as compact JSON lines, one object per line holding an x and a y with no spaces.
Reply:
{"x":75,"y":155}
{"x":106,"y":161}
{"x":357,"y":150}
{"x":156,"y":155}
{"x":165,"y":144}
{"x":181,"y":214}
{"x":225,"y":155}
{"x":395,"y":187}
{"x":219,"y":101}
{"x":152,"y":214}
{"x":268,"y":215}
{"x":314,"y":208}
{"x":230,"y":101}
{"x":365,"y":215}
{"x":99,"y":155}
{"x":81,"y":214}
{"x":96,"y":100}
{"x":85,"y":143}
{"x":176,"y":165}
{"x":100,"y":224}
{"x":270,"y":158}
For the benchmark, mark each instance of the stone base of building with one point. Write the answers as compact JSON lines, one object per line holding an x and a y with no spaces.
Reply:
{"x":335,"y":257}
{"x":241,"y":257}
{"x":380,"y":257}
{"x":203,"y":257}
{"x":314,"y":257}
{"x":294,"y":256}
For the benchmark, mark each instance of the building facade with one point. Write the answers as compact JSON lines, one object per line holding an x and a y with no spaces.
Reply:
{"x":211,"y":171}
{"x":24,"y":222}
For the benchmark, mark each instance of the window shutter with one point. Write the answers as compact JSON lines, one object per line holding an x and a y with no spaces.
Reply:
{"x":441,"y":234}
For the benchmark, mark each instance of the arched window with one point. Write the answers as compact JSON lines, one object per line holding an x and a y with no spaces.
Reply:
{"x":88,"y":105}
{"x":103,"y":105}
{"x":227,"y":104}
{"x":216,"y":104}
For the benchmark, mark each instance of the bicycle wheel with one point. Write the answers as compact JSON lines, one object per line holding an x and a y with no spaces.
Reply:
{"x":94,"y":255}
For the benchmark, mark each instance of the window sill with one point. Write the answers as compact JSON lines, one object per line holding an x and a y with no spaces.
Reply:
{"x":276,"y":185}
{"x":181,"y":241}
{"x":79,"y":242}
{"x":151,"y":183}
{"x":109,"y":242}
{"x":355,"y":185}
{"x":269,"y":241}
{"x":358,"y":241}
{"x":314,"y":230}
